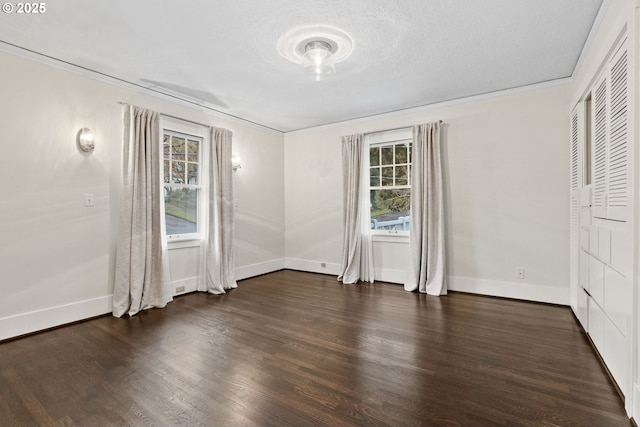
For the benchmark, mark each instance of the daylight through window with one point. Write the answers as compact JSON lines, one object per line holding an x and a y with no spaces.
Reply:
{"x":390,"y":185}
{"x":181,"y":161}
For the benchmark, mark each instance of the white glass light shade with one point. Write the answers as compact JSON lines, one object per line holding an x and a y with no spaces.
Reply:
{"x":318,"y":60}
{"x":236,"y":162}
{"x":86,"y":140}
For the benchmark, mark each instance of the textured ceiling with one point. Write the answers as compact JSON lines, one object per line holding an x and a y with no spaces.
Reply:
{"x":223,"y":54}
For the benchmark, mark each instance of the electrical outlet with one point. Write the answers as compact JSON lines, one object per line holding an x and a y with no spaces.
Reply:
{"x":520,"y":273}
{"x":179,"y":289}
{"x":89,"y":200}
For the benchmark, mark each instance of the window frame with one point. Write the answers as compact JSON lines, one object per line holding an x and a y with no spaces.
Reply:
{"x":380,"y":139}
{"x":195,"y":132}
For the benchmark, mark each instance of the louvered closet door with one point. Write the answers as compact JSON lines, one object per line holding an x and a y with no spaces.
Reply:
{"x":611,"y":154}
{"x":618,"y":145}
{"x":599,"y":146}
{"x":574,"y":207}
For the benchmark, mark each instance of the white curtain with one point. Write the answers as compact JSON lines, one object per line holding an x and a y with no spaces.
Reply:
{"x":427,"y":242}
{"x":139,"y":276}
{"x":219,"y":258}
{"x":357,"y":252}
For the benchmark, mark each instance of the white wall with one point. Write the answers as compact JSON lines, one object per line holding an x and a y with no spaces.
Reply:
{"x":505,"y":160}
{"x":57,"y":256}
{"x":259,"y":193}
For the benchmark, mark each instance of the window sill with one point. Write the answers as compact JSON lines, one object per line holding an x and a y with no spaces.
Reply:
{"x":185,"y":242}
{"x":390,"y":237}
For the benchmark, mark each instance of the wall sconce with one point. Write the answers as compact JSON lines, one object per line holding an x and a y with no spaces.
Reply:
{"x":86,"y":140}
{"x":235,"y":162}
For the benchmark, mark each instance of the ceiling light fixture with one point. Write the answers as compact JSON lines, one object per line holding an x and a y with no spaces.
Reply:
{"x":318,"y":59}
{"x":317,"y":48}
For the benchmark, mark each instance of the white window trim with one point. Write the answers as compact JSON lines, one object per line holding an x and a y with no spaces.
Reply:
{"x":171,"y":124}
{"x":382,"y":138}
{"x":400,"y":237}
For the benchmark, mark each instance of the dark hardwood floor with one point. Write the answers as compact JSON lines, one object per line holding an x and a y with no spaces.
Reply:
{"x":299,"y":349}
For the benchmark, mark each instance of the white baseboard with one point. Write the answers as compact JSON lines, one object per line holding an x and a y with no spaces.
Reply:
{"x":189,"y":284}
{"x":252,"y":270}
{"x":517,"y":290}
{"x":332,"y":268}
{"x":390,"y":275}
{"x":26,"y":323}
{"x":523,"y":291}
{"x":312,"y":266}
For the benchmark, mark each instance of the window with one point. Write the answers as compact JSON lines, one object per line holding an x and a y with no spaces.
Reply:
{"x":390,"y":184}
{"x":181,"y":165}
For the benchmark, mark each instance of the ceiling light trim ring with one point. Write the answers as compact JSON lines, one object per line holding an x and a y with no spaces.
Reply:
{"x":293,"y":43}
{"x":315,"y":44}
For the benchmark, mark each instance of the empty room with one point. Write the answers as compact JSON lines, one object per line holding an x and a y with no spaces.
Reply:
{"x":329,"y":213}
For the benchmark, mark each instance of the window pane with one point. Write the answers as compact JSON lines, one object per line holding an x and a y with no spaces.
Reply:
{"x":401,"y":175}
{"x":401,"y":153}
{"x":166,"y":174}
{"x":177,"y":146}
{"x":387,"y":155}
{"x":387,"y":176}
{"x":390,"y":209}
{"x":181,"y":210}
{"x":166,"y":147}
{"x":177,"y":172}
{"x":374,"y":156}
{"x":375,"y":177}
{"x":193,"y":173}
{"x":192,"y":151}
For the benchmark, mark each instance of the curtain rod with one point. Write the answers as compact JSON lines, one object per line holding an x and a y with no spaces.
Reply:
{"x":393,"y":129}
{"x":175,"y":117}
